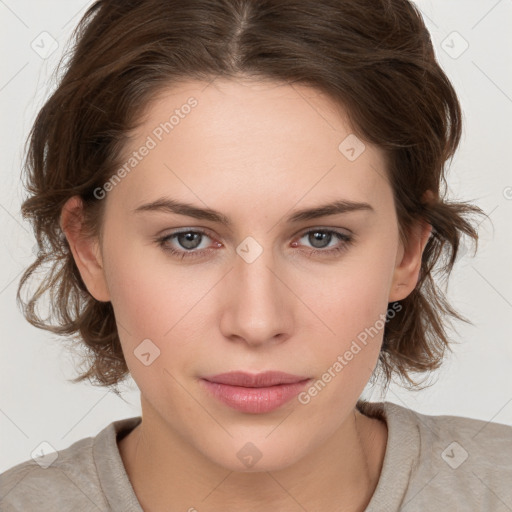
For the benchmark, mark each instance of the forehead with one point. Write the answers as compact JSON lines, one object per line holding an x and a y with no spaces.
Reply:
{"x":248,"y":139}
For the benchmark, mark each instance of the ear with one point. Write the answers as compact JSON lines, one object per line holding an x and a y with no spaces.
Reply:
{"x":86,"y":250}
{"x":408,"y":262}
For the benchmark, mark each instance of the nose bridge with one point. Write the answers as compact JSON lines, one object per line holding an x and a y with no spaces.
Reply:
{"x":253,"y":272}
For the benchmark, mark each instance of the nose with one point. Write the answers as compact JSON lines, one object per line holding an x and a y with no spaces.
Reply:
{"x":257,"y":306}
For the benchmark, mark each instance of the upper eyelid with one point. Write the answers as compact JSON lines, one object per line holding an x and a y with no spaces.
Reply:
{"x":301,"y":231}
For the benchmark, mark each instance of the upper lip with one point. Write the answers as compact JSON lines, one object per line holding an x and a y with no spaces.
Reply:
{"x":255,"y":380}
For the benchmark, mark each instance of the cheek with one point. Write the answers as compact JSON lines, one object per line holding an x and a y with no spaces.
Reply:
{"x":160,"y":302}
{"x":150,"y":307}
{"x":354,"y":295}
{"x":149,"y":293}
{"x":138,"y":297}
{"x":353,"y":305}
{"x":345,"y":360}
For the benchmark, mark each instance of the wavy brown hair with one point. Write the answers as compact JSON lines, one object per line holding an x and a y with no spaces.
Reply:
{"x":372,"y":57}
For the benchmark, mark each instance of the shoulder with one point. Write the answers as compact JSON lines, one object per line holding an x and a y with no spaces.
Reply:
{"x":453,"y":441}
{"x":60,"y":480}
{"x":460,"y":462}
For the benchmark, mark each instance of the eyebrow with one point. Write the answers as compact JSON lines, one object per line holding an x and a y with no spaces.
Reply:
{"x":168,"y":205}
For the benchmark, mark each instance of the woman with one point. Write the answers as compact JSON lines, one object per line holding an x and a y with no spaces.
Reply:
{"x":242,"y":203}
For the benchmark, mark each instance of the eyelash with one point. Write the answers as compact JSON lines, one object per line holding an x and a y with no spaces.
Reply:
{"x":346,"y":240}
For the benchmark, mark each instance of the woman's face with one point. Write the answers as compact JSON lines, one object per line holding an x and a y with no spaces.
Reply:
{"x":255,"y":286}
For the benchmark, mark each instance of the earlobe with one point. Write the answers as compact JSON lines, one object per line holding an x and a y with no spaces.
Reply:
{"x":408,"y":267}
{"x":85,"y":250}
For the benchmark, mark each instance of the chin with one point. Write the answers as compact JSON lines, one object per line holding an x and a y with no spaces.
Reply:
{"x":253,"y":454}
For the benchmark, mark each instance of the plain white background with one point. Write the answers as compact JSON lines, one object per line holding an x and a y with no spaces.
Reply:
{"x":37,"y":403}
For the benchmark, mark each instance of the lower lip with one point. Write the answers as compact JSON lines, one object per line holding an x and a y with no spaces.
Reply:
{"x":255,"y":400}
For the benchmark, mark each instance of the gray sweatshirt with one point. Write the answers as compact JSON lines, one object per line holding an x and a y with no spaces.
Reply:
{"x":431,"y":464}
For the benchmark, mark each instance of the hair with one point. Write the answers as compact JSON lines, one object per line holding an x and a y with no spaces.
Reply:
{"x":374,"y":58}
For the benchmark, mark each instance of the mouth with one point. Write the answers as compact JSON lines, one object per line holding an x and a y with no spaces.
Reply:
{"x":255,"y":393}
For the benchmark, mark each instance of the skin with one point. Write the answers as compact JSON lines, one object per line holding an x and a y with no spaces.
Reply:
{"x":256,"y":151}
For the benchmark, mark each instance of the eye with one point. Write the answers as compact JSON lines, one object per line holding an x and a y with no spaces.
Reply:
{"x":321,"y":238}
{"x":187,"y":243}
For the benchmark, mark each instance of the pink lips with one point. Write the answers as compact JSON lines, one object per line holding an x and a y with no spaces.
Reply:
{"x":255,"y":393}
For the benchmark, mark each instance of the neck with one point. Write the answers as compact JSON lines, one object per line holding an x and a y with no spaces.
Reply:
{"x":167,"y":473}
